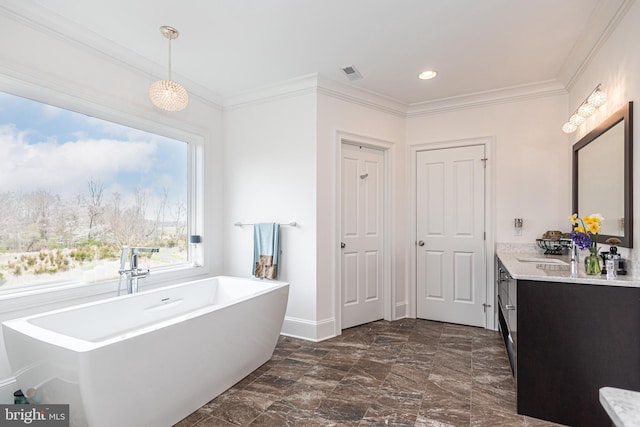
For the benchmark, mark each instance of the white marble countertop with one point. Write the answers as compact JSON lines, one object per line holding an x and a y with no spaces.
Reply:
{"x":543,"y":271}
{"x":623,"y":406}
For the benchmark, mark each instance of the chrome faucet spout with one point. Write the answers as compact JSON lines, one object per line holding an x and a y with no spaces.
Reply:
{"x":134,"y":272}
{"x":574,"y":252}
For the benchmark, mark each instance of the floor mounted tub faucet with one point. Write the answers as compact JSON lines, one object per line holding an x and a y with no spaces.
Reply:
{"x":134,"y":272}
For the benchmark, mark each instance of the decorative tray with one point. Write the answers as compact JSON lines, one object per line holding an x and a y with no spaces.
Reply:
{"x":554,"y":247}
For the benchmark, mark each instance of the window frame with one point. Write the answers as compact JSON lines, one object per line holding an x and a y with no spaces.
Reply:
{"x":159,"y":123}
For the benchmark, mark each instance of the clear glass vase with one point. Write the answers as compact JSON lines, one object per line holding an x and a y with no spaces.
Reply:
{"x":592,"y":264}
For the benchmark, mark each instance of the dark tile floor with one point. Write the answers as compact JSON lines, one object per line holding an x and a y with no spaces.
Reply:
{"x":403,"y":373}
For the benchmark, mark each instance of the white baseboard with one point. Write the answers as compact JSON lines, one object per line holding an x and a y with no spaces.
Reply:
{"x":7,"y":387}
{"x":308,"y":329}
{"x":401,"y":310}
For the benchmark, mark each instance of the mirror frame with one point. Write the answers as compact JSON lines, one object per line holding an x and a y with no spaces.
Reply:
{"x":623,"y":114}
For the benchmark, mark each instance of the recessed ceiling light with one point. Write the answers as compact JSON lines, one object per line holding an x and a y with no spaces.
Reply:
{"x":427,"y":74}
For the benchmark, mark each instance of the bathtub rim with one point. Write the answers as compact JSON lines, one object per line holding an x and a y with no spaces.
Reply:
{"x":23,"y":325}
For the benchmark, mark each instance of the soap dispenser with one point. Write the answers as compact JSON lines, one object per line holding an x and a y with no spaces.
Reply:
{"x":605,"y":258}
{"x":618,"y":263}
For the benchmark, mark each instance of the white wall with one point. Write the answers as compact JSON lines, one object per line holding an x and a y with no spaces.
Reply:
{"x":532,"y":167}
{"x":616,"y":65}
{"x":362,"y":123}
{"x":43,"y":65}
{"x":280,"y":165}
{"x":270,"y":176}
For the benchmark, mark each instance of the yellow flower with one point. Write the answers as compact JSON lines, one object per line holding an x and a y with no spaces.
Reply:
{"x":593,"y":219}
{"x":594,"y":227}
{"x":587,"y":224}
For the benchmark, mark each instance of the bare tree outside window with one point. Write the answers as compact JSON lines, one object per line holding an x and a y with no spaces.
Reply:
{"x":94,"y":205}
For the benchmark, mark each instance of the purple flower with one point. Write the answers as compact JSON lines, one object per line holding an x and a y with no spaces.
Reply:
{"x":582,"y":240}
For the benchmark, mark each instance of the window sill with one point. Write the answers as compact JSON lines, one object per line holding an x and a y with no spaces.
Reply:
{"x":70,"y":293}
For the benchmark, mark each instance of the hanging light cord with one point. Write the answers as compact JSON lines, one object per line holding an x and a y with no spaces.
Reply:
{"x":170,"y":38}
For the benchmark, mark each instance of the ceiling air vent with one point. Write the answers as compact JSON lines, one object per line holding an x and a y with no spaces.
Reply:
{"x":352,"y":72}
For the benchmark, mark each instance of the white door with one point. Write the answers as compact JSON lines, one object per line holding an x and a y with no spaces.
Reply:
{"x":362,"y":235}
{"x":450,"y":241}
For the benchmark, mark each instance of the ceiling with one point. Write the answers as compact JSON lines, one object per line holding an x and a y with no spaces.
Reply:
{"x":234,"y":46}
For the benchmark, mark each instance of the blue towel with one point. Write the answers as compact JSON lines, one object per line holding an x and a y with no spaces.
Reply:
{"x":266,"y":250}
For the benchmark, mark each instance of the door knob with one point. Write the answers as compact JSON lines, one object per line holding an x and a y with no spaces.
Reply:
{"x":420,"y":242}
{"x":342,"y":245}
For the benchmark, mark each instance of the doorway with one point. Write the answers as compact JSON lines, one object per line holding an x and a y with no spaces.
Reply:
{"x":450,"y":244}
{"x":362,"y":259}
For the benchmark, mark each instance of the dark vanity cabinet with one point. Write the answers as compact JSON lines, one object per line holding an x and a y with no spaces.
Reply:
{"x":568,"y":341}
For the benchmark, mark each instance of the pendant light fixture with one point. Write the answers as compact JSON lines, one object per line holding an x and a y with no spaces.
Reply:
{"x":167,"y":94}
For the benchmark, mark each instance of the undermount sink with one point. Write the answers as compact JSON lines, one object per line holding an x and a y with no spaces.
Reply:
{"x":543,"y":261}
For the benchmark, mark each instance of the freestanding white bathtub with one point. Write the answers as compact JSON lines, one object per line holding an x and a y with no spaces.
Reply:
{"x":148,"y":359}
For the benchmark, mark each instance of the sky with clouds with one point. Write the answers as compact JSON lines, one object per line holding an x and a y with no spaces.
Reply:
{"x":43,"y":147}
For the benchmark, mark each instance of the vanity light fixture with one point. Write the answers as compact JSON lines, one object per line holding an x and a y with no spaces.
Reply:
{"x":596,"y":99}
{"x":427,"y":74}
{"x":167,"y":94}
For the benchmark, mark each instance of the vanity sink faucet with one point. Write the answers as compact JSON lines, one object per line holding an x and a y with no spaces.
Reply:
{"x":574,"y":252}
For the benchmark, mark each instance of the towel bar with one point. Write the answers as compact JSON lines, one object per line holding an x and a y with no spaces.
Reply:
{"x":289,"y":224}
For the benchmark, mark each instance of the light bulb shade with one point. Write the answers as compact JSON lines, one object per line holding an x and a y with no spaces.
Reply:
{"x":597,"y":98}
{"x":569,"y":128}
{"x":586,"y":110}
{"x":576,"y":120}
{"x":168,"y":95}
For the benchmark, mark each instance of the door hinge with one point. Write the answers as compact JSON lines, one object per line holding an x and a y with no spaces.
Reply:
{"x":484,"y":235}
{"x":484,"y":162}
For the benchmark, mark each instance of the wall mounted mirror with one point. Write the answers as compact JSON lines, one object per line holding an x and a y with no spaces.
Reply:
{"x":602,"y":175}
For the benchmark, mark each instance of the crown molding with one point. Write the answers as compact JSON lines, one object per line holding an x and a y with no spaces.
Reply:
{"x":601,"y":24}
{"x":60,"y":28}
{"x":299,"y":86}
{"x":359,"y":96}
{"x":314,"y":83}
{"x":490,"y":97}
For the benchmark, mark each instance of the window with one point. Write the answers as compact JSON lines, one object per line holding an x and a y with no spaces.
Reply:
{"x":75,"y":189}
